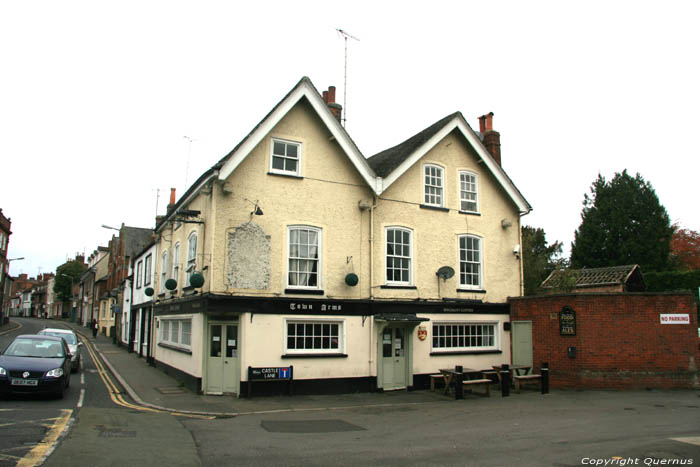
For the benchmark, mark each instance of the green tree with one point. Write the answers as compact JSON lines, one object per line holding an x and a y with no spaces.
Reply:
{"x":539,"y":258}
{"x":62,"y":282}
{"x":622,"y":222}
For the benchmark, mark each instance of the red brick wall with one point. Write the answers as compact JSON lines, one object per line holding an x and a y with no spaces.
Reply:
{"x":620,"y":341}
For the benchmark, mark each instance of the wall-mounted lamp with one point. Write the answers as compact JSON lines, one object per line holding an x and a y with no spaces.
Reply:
{"x":256,"y":208}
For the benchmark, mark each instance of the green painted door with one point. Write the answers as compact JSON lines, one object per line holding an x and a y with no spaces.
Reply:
{"x":393,"y":358}
{"x":215,"y":360}
{"x":522,"y":342}
{"x":223,"y":373}
{"x":231,"y":372}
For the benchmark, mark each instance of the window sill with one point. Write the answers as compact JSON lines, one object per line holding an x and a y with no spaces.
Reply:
{"x":175,"y":348}
{"x":465,"y":352}
{"x":315,"y":355}
{"x":405,"y":287}
{"x":434,"y":208}
{"x":470,"y":213}
{"x":471,"y":291}
{"x":289,"y":175}
{"x":303,"y":292}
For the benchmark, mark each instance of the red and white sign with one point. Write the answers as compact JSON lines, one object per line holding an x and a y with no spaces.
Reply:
{"x":675,"y":319}
{"x":422,"y":333}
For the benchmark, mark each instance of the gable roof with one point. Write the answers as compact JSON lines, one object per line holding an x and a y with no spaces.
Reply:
{"x":303,"y":89}
{"x":593,"y":277}
{"x":391,"y":163}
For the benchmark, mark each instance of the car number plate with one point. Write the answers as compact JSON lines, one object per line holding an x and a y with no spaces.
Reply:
{"x":25,"y":382}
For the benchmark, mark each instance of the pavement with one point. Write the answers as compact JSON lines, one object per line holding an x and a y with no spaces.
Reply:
{"x":151,"y":387}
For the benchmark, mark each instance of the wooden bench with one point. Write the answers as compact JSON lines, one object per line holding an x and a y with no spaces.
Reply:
{"x":493,"y":375}
{"x":486,"y":383}
{"x":438,"y":378}
{"x":526,"y":379}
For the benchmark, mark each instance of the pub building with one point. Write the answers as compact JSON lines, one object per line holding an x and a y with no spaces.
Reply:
{"x":361,"y":274}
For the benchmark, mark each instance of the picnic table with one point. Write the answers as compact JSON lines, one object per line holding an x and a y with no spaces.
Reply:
{"x":471,"y":377}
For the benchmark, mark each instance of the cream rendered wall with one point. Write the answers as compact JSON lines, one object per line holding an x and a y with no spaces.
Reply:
{"x":436,"y":233}
{"x":271,"y":330}
{"x":190,"y":364}
{"x":326,"y":196}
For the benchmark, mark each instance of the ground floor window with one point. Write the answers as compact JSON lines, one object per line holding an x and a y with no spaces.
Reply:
{"x":314,"y":336}
{"x":176,"y":331}
{"x":464,"y":336}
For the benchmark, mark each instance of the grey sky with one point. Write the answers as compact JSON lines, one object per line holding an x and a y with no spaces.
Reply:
{"x":97,"y":97}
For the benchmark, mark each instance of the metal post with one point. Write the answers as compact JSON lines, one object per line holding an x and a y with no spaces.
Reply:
{"x":459,"y":377}
{"x":544,"y":371}
{"x":505,"y":380}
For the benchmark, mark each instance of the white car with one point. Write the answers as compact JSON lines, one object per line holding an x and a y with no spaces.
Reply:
{"x":73,"y":344}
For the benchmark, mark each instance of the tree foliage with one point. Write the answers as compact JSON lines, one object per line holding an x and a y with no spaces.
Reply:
{"x":622,"y":222}
{"x":62,"y":282}
{"x":685,"y":249}
{"x":539,"y":258}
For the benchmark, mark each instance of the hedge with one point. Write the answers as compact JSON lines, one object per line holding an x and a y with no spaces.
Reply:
{"x":672,"y":281}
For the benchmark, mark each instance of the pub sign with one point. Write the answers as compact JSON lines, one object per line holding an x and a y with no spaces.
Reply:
{"x":567,"y":322}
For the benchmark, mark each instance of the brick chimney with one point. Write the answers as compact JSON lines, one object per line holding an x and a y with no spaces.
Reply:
{"x":171,"y":204}
{"x":329,"y":98}
{"x":490,"y":138}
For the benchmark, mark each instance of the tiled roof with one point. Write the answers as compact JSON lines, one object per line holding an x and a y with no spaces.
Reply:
{"x":592,"y":277}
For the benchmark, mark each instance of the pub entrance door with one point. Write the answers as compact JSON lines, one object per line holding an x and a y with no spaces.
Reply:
{"x":522,"y":342}
{"x":223,"y":370}
{"x":394,"y":362}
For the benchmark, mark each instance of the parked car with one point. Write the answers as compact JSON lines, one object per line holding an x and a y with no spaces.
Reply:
{"x":35,"y":364}
{"x":71,"y":339}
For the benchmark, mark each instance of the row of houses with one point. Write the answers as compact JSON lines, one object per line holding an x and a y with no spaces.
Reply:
{"x":295,"y":250}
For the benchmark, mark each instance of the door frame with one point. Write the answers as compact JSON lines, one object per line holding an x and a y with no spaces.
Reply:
{"x":408,"y":329}
{"x":206,"y":356}
{"x":513,"y":332}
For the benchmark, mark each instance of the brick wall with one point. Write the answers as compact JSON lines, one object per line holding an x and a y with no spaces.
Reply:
{"x":620,"y":341}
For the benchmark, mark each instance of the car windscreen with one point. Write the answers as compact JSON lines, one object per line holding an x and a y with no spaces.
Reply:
{"x":69,"y":337}
{"x":35,"y":348}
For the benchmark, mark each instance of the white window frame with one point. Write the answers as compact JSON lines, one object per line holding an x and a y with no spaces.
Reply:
{"x":403,"y":230}
{"x":433,"y":185}
{"x":163,"y":271}
{"x":173,"y":331}
{"x":464,"y":191}
{"x":139,"y":270}
{"x":191,"y":256}
{"x":176,"y":261}
{"x":315,"y":339}
{"x":284,"y":157}
{"x":319,"y":257}
{"x":147,"y":266}
{"x":464,"y":259}
{"x":463,"y":336}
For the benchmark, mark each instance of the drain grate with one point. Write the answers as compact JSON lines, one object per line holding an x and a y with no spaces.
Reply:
{"x":308,"y":426}
{"x":170,"y":390}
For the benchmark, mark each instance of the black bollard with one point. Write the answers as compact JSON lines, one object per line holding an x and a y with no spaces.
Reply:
{"x":505,"y":380}
{"x":544,"y":371}
{"x":458,"y":379}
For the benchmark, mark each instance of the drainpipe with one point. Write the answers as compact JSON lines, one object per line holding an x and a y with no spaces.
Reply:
{"x":520,"y":259}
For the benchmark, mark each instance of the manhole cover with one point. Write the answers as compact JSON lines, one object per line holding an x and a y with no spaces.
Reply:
{"x":171,"y":390}
{"x":308,"y":426}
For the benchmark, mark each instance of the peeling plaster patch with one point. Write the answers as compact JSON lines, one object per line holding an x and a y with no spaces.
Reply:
{"x":248,"y":251}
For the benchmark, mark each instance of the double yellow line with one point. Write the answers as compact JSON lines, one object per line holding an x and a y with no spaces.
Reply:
{"x":116,"y":395}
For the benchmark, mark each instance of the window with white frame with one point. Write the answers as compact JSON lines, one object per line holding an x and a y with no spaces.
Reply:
{"x":465,"y":336}
{"x":139,"y":270}
{"x":285,"y":157}
{"x":163,"y":271}
{"x":433,"y":185}
{"x":470,"y":262}
{"x":176,"y":262}
{"x":399,"y":254}
{"x":191,"y":255}
{"x":176,"y":331}
{"x":304,"y":251}
{"x":314,"y":336}
{"x":147,"y":270}
{"x":468,"y":193}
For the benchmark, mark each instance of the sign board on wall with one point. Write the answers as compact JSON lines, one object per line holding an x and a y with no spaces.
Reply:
{"x":567,"y":322}
{"x":678,"y":318}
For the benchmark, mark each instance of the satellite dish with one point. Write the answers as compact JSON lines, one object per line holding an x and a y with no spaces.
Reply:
{"x":445,"y":272}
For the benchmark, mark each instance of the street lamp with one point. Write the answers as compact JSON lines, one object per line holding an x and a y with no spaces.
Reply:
{"x":108,"y":227}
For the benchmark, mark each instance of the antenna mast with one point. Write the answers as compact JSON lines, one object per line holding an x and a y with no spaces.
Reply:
{"x":345,"y":77}
{"x":189,"y":155}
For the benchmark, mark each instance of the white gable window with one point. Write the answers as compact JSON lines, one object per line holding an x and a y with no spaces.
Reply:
{"x":470,"y":262}
{"x":285,"y":157}
{"x":433,"y":185}
{"x":139,"y":269}
{"x":147,"y":271}
{"x":191,"y":255}
{"x":468,"y":192}
{"x":399,"y":256}
{"x":304,"y":257}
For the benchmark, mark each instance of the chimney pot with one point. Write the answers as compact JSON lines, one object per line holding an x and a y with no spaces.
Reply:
{"x":331,"y":95}
{"x":325,"y":97}
{"x":172,"y":196}
{"x":490,"y":138}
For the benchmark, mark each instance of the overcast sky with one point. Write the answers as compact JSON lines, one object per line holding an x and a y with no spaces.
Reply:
{"x":96,"y":98}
